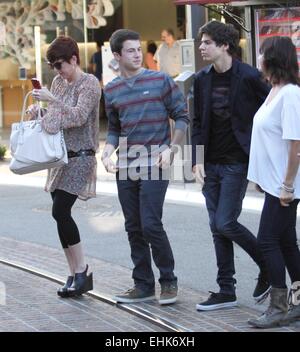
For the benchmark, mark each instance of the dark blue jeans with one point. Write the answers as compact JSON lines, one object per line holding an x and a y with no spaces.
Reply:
{"x":142,"y":204}
{"x":224,"y":190}
{"x":277,"y":240}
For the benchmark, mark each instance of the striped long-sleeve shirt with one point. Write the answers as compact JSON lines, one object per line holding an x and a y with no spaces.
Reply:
{"x":139,"y":108}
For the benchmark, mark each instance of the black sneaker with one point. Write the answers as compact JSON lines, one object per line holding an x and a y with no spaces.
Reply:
{"x":217,"y":301}
{"x":135,"y":295}
{"x":262,"y":288}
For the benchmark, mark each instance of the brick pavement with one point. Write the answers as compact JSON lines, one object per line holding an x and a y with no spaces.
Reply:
{"x":32,"y":304}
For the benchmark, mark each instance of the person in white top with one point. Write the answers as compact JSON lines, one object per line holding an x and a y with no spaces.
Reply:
{"x":167,"y":55}
{"x":274,"y":167}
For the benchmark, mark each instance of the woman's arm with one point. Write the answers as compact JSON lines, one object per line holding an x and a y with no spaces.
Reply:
{"x":60,"y":115}
{"x":287,"y":194}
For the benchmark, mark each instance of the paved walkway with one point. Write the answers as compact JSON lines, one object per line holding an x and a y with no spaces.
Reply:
{"x":32,"y":304}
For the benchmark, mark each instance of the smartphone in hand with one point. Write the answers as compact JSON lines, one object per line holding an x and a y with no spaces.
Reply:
{"x":36,"y":83}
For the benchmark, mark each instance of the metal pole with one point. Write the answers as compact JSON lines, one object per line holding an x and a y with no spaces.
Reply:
{"x":38,"y":56}
{"x":85,"y":35}
{"x":188,"y":17}
{"x":196,"y":16}
{"x":249,"y":56}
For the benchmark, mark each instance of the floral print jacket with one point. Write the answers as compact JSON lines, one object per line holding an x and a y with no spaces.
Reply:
{"x":77,"y":113}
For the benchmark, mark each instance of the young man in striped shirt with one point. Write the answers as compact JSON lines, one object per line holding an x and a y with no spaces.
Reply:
{"x":138,"y":105}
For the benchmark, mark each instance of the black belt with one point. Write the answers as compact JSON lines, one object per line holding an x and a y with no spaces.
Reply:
{"x":84,"y":152}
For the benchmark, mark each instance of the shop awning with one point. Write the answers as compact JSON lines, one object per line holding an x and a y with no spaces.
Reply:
{"x":202,"y":2}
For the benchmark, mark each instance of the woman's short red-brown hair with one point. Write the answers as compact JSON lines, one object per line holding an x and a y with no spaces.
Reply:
{"x":63,"y":48}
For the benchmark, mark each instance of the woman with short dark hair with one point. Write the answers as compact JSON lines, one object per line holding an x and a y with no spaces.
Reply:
{"x":73,"y":105}
{"x":274,"y":167}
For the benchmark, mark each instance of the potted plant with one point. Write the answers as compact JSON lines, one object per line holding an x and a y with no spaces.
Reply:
{"x":2,"y":152}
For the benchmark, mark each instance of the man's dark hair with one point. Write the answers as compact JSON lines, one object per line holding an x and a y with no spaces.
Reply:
{"x":151,"y":47}
{"x":99,"y":43}
{"x":119,"y":37}
{"x":280,"y":61}
{"x":63,"y":48}
{"x":221,"y":34}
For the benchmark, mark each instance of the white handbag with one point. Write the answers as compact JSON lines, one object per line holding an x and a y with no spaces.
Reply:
{"x":32,"y":148}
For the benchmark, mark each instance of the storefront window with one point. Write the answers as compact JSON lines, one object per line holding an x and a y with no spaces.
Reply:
{"x":270,"y":22}
{"x":27,"y":27}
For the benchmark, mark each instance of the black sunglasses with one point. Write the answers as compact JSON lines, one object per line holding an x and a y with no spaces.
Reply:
{"x":56,"y":64}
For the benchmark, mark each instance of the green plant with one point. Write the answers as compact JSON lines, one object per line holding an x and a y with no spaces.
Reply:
{"x":2,"y":151}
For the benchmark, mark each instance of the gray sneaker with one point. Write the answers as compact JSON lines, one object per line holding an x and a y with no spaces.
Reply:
{"x":135,"y":295}
{"x":168,"y":293}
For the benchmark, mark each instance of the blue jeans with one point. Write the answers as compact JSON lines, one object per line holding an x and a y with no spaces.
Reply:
{"x":142,"y":204}
{"x":277,"y":240}
{"x":224,"y":190}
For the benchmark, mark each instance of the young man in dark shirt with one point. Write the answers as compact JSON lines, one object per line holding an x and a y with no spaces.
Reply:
{"x":227,"y":95}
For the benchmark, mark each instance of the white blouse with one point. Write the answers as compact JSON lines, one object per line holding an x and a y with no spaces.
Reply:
{"x":275,"y":124}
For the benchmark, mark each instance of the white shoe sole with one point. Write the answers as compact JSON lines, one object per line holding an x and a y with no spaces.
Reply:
{"x":216,"y":306}
{"x":136,"y":300}
{"x":167,"y":301}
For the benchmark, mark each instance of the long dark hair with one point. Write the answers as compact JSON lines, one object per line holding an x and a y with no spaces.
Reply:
{"x":280,"y":63}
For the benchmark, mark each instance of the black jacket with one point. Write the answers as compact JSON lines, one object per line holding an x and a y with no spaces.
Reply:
{"x":247,"y":93}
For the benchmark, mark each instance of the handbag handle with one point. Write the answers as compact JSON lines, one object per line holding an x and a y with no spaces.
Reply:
{"x":25,"y":105}
{"x":62,"y":140}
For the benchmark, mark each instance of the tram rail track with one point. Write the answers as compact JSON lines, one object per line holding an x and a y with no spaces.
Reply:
{"x":132,"y":309}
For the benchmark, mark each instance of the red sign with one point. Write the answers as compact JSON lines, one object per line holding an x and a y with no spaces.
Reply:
{"x":201,"y":2}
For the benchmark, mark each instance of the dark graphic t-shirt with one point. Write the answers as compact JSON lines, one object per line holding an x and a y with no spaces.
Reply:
{"x":223,"y":147}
